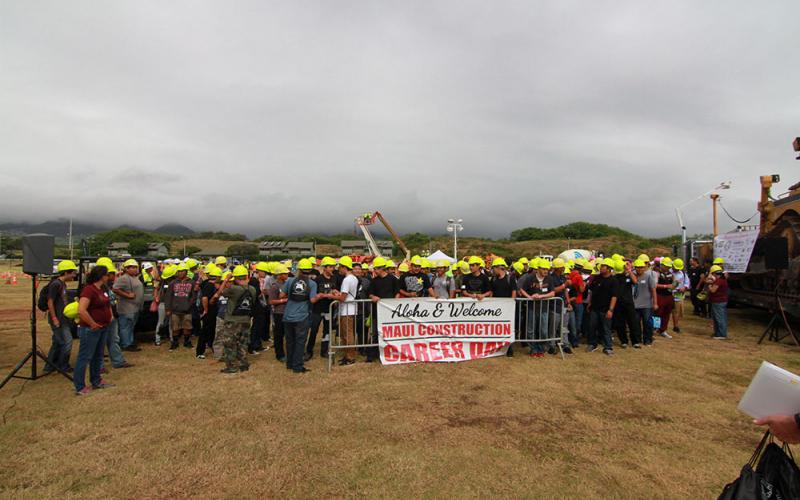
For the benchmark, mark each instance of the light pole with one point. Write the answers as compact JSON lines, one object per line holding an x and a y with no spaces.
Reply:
{"x":454,"y":226}
{"x":722,"y":185}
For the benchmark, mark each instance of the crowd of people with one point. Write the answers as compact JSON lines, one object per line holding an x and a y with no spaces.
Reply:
{"x":235,"y":311}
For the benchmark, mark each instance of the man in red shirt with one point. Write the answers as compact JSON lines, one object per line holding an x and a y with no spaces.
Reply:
{"x":718,"y":297}
{"x":579,"y":285}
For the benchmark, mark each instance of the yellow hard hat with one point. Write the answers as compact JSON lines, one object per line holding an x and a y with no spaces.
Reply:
{"x":616,"y":256}
{"x":534,"y":263}
{"x":71,"y":310}
{"x":66,"y":265}
{"x":644,"y":258}
{"x":169,"y":272}
{"x":666,"y":261}
{"x":443,"y":263}
{"x":390,"y":264}
{"x":239,"y":271}
{"x":221,"y":260}
{"x":588,"y":265}
{"x":263,"y":267}
{"x":557,"y":263}
{"x":416,"y":260}
{"x":545,"y":264}
{"x":130,"y":263}
{"x":280,"y":269}
{"x":499,"y":262}
{"x":103,"y":261}
{"x":719,"y":260}
{"x":191,"y":263}
{"x":377,"y":263}
{"x":426,"y":264}
{"x":111,"y":268}
{"x":639,"y":263}
{"x":608,"y":262}
{"x":182,"y":267}
{"x":464,"y":267}
{"x":328,"y":261}
{"x":619,"y":266}
{"x":210,"y":267}
{"x":214,"y":272}
{"x":403,"y":267}
{"x":715,"y":269}
{"x":518,"y":266}
{"x":677,"y":264}
{"x":304,"y":265}
{"x":346,"y":262}
{"x":523,"y":260}
{"x":225,"y":275}
{"x":475,"y":260}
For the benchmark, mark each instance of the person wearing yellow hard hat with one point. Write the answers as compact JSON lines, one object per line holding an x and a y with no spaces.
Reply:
{"x":301,"y":293}
{"x":391,"y":269}
{"x":682,"y":285}
{"x":524,"y":261}
{"x":645,"y":300}
{"x":221,"y":262}
{"x":664,"y":297}
{"x":327,"y":291}
{"x":414,"y":283}
{"x":129,"y":290}
{"x":384,"y":285}
{"x":576,"y":287}
{"x":179,"y":301}
{"x":602,"y":300}
{"x":697,"y":276}
{"x":163,"y":326}
{"x":280,"y":274}
{"x":95,"y":314}
{"x":625,"y":320}
{"x":259,"y":333}
{"x":55,"y":300}
{"x":348,"y":309}
{"x":504,"y":284}
{"x":562,"y":286}
{"x":112,"y":337}
{"x":535,"y":286}
{"x":240,"y":300}
{"x":208,"y":310}
{"x":443,"y":286}
{"x":717,"y":288}
{"x":476,"y":285}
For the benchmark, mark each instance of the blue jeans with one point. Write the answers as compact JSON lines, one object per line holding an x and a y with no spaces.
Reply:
{"x":571,"y":328}
{"x":126,"y":324}
{"x":112,"y":343}
{"x":598,"y":323}
{"x":719,"y":313}
{"x":90,"y":354}
{"x":538,"y":326}
{"x":295,"y":333}
{"x":645,"y":317}
{"x":60,"y":349}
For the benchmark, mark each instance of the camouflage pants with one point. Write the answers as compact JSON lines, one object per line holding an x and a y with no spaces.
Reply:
{"x":235,"y":339}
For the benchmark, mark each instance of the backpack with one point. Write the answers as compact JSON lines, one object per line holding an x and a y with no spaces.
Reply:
{"x":244,"y":306}
{"x":41,"y":304}
{"x":300,"y":291}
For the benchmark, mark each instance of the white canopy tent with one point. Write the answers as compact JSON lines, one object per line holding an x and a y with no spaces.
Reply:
{"x":439,"y":255}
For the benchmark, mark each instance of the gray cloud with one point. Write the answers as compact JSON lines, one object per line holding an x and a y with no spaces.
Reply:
{"x":270,"y":117}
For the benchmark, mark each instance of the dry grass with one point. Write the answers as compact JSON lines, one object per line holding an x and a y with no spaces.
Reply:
{"x":656,"y":423}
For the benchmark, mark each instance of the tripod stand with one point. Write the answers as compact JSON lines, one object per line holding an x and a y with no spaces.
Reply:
{"x":777,"y":323}
{"x":34,"y":352}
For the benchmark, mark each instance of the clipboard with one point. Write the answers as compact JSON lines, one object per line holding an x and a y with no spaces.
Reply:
{"x":773,"y":391}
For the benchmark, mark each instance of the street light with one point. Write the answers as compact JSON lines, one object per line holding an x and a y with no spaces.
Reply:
{"x":454,"y":226}
{"x":722,"y":185}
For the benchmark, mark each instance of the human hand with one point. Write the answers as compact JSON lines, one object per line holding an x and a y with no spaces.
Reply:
{"x":783,"y":427}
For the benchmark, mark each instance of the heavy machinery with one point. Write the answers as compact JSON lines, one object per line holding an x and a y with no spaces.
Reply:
{"x":774,"y":269}
{"x":369,"y":218}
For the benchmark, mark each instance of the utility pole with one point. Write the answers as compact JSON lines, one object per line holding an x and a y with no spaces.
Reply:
{"x":714,"y":197}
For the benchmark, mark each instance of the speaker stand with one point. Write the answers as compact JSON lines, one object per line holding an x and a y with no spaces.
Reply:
{"x":778,"y":322}
{"x":34,"y":352}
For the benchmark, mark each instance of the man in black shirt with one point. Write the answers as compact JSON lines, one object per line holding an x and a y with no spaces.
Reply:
{"x":538,"y":285}
{"x":697,"y":278}
{"x":603,"y":293}
{"x":475,"y":285}
{"x":60,"y":349}
{"x":382,"y":286}
{"x":327,"y":292}
{"x":625,"y":312}
{"x":415,"y":283}
{"x":504,"y":285}
{"x":208,"y":312}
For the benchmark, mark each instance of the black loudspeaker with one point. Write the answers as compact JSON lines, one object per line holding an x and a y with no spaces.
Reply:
{"x":37,"y":253}
{"x":775,"y":252}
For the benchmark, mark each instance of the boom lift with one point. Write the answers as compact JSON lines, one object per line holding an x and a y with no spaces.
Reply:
{"x":369,"y":218}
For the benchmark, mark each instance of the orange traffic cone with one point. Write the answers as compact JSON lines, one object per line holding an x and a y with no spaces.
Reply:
{"x":14,"y":280}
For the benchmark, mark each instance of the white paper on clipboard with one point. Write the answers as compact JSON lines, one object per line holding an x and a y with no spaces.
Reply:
{"x":773,"y":391}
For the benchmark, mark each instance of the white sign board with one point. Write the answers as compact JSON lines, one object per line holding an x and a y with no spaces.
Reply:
{"x":735,"y":248}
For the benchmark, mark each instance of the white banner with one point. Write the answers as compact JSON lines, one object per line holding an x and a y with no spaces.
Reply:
{"x":431,"y":330}
{"x":735,"y":248}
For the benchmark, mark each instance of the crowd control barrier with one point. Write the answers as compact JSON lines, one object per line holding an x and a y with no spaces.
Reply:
{"x":540,"y":324}
{"x":352,"y":332}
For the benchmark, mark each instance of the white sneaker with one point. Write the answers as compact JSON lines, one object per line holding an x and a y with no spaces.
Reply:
{"x":666,"y":335}
{"x":720,"y":338}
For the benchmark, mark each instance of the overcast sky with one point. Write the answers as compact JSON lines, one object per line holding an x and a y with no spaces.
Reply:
{"x":282,"y":117}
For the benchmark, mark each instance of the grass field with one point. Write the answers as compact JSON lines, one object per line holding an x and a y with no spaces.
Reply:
{"x":656,"y":423}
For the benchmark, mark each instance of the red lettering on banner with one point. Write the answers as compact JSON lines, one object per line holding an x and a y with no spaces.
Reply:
{"x":436,"y":354}
{"x":445,"y":351}
{"x":405,"y":353}
{"x":421,"y":352}
{"x":475,"y":350}
{"x":390,"y":353}
{"x":458,"y":349}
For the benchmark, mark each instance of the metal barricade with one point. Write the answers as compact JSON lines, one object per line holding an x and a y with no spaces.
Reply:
{"x":540,"y":324}
{"x":353,"y":329}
